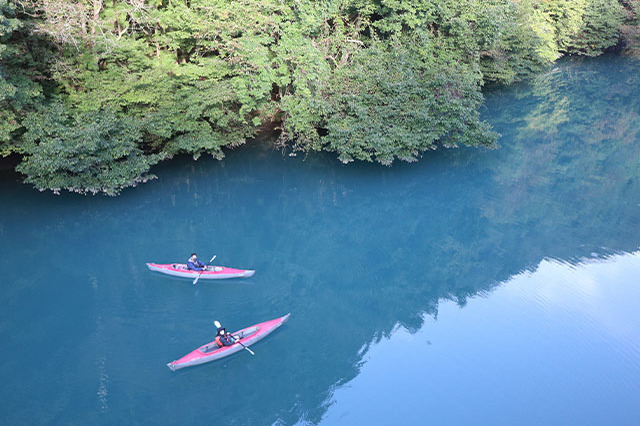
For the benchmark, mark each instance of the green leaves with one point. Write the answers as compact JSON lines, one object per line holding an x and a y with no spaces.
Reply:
{"x":393,"y":104}
{"x":375,"y":80}
{"x":18,"y":92}
{"x":585,"y":27}
{"x":84,"y":153}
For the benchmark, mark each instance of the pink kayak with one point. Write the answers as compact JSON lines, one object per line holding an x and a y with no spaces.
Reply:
{"x":211,"y":273}
{"x":212,"y":351}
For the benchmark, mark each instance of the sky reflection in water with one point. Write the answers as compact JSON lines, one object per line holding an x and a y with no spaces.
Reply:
{"x":558,"y":345}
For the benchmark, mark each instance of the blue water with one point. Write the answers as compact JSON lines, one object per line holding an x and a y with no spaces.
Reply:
{"x":492,"y":287}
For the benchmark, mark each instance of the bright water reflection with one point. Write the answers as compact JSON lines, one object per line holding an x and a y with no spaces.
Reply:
{"x":86,"y":329}
{"x":557,"y":345}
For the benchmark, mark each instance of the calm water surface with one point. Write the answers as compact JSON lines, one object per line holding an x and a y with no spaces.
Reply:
{"x":484,"y":287}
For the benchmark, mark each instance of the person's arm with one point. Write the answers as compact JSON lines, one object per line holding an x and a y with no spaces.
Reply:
{"x":197,"y":266}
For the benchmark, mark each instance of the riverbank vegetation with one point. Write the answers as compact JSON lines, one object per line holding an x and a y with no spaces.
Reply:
{"x":93,"y":93}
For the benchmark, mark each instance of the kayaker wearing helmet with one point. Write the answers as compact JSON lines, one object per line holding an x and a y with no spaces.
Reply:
{"x":223,"y":338}
{"x":194,"y":264}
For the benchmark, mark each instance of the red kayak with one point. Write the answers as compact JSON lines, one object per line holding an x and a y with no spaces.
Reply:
{"x":211,"y":273}
{"x":212,"y":351}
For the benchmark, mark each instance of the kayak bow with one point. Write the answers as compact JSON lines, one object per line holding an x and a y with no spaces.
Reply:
{"x":212,"y":351}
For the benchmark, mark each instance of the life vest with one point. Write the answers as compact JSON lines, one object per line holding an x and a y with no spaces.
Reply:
{"x":226,"y":341}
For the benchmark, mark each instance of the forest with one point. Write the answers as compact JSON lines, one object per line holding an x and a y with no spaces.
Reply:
{"x":93,"y":93}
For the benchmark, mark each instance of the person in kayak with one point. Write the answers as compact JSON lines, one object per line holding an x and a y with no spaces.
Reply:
{"x":223,"y":338}
{"x":194,"y":263}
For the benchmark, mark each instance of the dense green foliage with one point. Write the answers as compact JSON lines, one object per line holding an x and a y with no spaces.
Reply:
{"x":21,"y":82}
{"x":94,"y":92}
{"x":83,"y":151}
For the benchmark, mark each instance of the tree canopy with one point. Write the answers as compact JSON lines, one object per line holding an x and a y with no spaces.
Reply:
{"x":95,"y":92}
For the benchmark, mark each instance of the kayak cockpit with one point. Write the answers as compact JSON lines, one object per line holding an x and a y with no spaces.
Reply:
{"x":183,"y":267}
{"x":210,"y":347}
{"x":213,"y":346}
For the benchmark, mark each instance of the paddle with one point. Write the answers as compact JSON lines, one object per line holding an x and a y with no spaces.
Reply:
{"x":198,"y":277}
{"x":240,"y":343}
